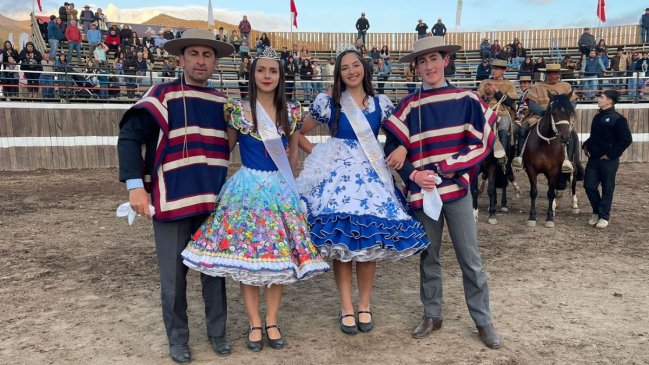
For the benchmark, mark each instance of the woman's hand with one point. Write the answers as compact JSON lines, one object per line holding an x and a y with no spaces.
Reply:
{"x":396,"y":159}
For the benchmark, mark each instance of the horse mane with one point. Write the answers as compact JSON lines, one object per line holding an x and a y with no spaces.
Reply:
{"x":561,"y":101}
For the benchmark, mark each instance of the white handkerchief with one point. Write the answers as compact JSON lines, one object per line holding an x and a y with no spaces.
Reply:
{"x":125,"y":210}
{"x":432,"y":201}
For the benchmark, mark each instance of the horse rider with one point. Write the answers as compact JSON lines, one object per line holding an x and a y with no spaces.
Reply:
{"x":538,"y":101}
{"x":500,"y":94}
{"x":525,"y":83}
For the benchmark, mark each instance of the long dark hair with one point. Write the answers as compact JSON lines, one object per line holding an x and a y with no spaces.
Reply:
{"x":339,"y":85}
{"x":279,"y":99}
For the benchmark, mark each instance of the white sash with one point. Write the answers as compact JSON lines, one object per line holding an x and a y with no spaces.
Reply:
{"x":273,"y":143}
{"x":367,"y":140}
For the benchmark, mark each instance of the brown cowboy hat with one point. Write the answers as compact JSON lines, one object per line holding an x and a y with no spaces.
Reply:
{"x":552,"y":67}
{"x":427,"y":45}
{"x":198,"y":37}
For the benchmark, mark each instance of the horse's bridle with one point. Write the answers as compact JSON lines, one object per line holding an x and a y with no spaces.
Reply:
{"x":554,"y":126}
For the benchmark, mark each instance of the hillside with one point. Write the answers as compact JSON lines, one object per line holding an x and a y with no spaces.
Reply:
{"x":8,"y":25}
{"x":170,"y":21}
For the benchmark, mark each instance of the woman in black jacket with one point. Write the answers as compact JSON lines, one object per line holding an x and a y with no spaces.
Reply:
{"x":30,"y":60}
{"x":290,"y":69}
{"x":306,"y":74}
{"x":527,"y":67}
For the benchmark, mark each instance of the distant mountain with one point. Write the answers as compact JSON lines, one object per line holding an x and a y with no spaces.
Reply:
{"x":170,"y":21}
{"x":8,"y":25}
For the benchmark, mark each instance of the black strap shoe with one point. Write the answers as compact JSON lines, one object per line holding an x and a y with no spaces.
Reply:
{"x":180,"y":353}
{"x":365,"y":326}
{"x":278,"y":343}
{"x":254,"y":346}
{"x":221,"y":345}
{"x":348,"y":330}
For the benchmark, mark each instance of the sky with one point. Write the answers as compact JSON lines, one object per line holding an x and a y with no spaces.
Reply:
{"x":383,"y":15}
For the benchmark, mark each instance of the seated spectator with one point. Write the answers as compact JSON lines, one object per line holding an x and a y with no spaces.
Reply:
{"x":305,"y":54}
{"x":605,"y":60}
{"x":485,"y":49}
{"x":135,"y":40}
{"x":259,"y":48}
{"x":265,"y":42}
{"x":126,"y":34}
{"x":112,"y":40}
{"x":93,"y":36}
{"x":46,"y":80}
{"x":148,"y":41}
{"x":385,"y":54}
{"x":148,"y":55}
{"x":484,"y":70}
{"x":10,"y":77}
{"x":526,"y":68}
{"x":159,"y":43}
{"x":244,"y":49}
{"x":601,"y":46}
{"x":569,"y":65}
{"x":540,"y":63}
{"x":382,"y":72}
{"x":375,"y":55}
{"x":495,"y":49}
{"x":221,"y":36}
{"x":100,"y":54}
{"x":168,"y":34}
{"x":30,"y":60}
{"x":235,"y":40}
{"x":102,"y":21}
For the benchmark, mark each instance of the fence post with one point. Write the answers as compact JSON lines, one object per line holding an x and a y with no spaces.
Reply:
{"x":65,"y":82}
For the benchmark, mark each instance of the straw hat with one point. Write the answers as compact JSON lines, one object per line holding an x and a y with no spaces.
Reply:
{"x":552,"y":67}
{"x":525,"y":78}
{"x":427,"y":45}
{"x":499,"y":63}
{"x":198,"y":37}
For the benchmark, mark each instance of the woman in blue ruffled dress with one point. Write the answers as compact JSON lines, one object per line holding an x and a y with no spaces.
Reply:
{"x":258,"y":234}
{"x":355,"y":214}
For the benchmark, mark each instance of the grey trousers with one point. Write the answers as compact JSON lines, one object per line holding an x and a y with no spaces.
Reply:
{"x":170,"y":240}
{"x":463,"y":231}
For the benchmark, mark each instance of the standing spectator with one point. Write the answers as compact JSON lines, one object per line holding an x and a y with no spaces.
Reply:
{"x":265,"y":42}
{"x":42,"y":26}
{"x":421,"y":29}
{"x":592,"y":67}
{"x":620,"y":64}
{"x":245,"y":28}
{"x":495,"y":49}
{"x":244,"y":75}
{"x":409,"y":73}
{"x":609,"y":137}
{"x":113,"y":40}
{"x":73,"y":35}
{"x":93,"y":36}
{"x":221,"y":36}
{"x":8,"y":50}
{"x":102,"y":21}
{"x":638,"y":71}
{"x":317,"y":86}
{"x":306,"y":75}
{"x":63,"y":15}
{"x":485,"y":49}
{"x":527,"y":68}
{"x":586,"y":42}
{"x":328,"y":72}
{"x":125,"y":34}
{"x":382,"y":72}
{"x":130,"y":71}
{"x":118,"y":66}
{"x":55,"y":35}
{"x":439,"y":29}
{"x":72,"y":13}
{"x":305,"y":54}
{"x":141,"y":67}
{"x":235,"y":40}
{"x":291,"y":69}
{"x":538,"y":65}
{"x":87,"y":18}
{"x":644,"y":26}
{"x":30,"y":60}
{"x":484,"y":70}
{"x":362,"y":25}
{"x":601,"y":46}
{"x":46,"y":79}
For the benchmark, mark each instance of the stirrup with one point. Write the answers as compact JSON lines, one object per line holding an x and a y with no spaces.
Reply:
{"x":517,"y":162}
{"x":566,"y":167}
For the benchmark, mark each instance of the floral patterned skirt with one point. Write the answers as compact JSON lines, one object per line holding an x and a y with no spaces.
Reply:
{"x":353,"y":215}
{"x":257,"y":234}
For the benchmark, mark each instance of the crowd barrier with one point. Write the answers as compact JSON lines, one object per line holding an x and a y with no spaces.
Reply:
{"x":84,"y":135}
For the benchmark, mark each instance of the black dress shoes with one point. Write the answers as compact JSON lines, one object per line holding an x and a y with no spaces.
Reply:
{"x":365,"y":326}
{"x":348,"y":330}
{"x":426,"y":327}
{"x":221,"y":345}
{"x":489,"y":336}
{"x":277,"y":343}
{"x":180,"y":353}
{"x":254,"y":346}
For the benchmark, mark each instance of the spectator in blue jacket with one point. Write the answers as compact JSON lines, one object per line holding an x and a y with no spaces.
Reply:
{"x":592,"y":68}
{"x":93,"y":36}
{"x":644,"y":25}
{"x":54,"y":34}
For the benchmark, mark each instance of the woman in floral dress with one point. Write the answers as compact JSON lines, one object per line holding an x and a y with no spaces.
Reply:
{"x":258,"y":234}
{"x":355,"y":212}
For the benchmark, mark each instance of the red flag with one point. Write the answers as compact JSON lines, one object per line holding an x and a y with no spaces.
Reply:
{"x":294,"y":13}
{"x":40,"y":7}
{"x":601,"y":10}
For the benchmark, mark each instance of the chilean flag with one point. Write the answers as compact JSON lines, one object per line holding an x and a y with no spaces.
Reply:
{"x":40,"y":7}
{"x":294,"y":13}
{"x":601,"y":10}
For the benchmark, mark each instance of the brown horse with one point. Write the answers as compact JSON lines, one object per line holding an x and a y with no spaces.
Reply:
{"x":545,"y":150}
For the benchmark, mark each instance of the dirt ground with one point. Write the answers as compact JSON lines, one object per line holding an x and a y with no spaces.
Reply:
{"x":79,"y":286}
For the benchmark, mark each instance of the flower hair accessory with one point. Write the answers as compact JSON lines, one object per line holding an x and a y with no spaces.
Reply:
{"x":345,"y":46}
{"x":270,"y":54}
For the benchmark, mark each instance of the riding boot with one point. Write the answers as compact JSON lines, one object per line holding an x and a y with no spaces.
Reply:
{"x":503,"y":136}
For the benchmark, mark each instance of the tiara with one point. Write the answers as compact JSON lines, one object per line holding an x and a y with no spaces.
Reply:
{"x":269,"y":53}
{"x":345,"y":46}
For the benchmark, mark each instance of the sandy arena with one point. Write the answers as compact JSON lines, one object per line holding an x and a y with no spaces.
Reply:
{"x":79,"y":286}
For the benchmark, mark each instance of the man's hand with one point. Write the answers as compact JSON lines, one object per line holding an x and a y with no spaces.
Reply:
{"x":425,"y":179}
{"x":490,"y":88}
{"x":140,"y":201}
{"x":397,"y":158}
{"x":586,"y":152}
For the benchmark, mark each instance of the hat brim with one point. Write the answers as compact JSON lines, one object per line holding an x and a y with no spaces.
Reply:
{"x":555,"y":70}
{"x":449,"y":49}
{"x":176,"y":46}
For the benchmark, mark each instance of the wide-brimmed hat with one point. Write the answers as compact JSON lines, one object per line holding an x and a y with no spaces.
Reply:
{"x":525,"y":78}
{"x":499,"y":63}
{"x":552,"y":67}
{"x":198,"y":37}
{"x":427,"y":45}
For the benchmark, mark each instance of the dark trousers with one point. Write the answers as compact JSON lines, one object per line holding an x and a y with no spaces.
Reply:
{"x":170,"y":240}
{"x":601,"y":172}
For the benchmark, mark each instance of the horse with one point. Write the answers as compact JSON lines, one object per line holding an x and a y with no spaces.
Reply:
{"x":498,"y":177}
{"x":545,"y":150}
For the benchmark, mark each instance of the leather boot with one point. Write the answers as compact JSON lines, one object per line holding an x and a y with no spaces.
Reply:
{"x":489,"y":336}
{"x":427,"y":326}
